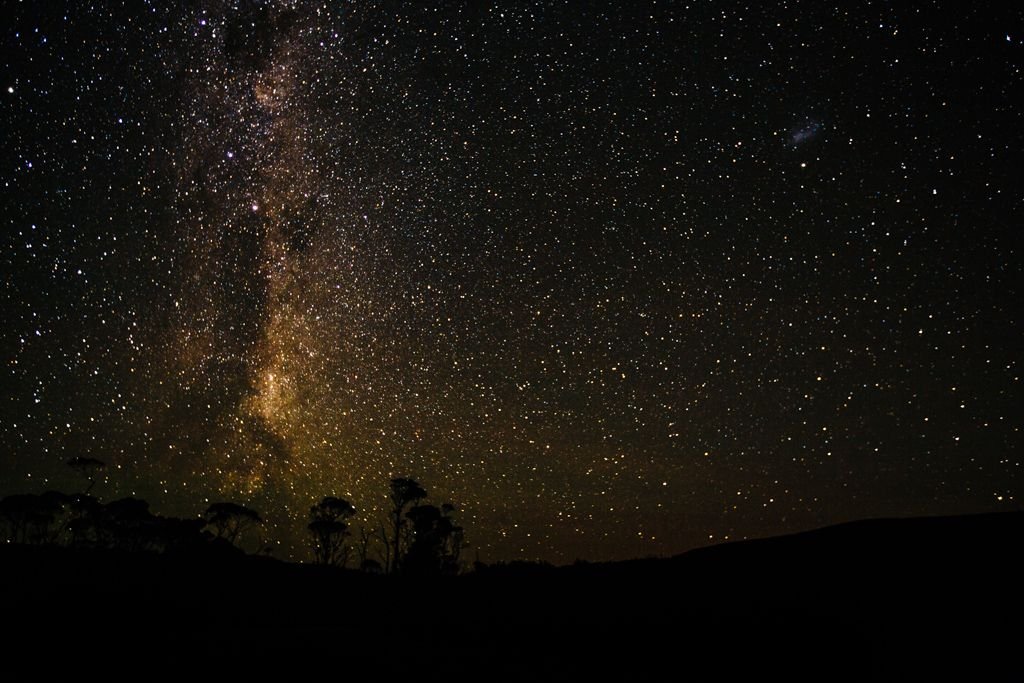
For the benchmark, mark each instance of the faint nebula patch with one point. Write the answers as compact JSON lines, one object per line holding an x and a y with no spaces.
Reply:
{"x":805,"y":133}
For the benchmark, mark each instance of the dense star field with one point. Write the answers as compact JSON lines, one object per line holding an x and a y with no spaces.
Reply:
{"x":619,"y":279}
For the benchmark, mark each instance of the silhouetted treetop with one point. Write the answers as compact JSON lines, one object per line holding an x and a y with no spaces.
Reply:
{"x":87,"y":467}
{"x":329,"y":530}
{"x":231,"y":519}
{"x":406,"y":491}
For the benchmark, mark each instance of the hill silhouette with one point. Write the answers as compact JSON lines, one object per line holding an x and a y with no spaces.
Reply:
{"x":872,"y":600}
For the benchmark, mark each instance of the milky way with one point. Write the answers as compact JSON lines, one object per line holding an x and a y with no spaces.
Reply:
{"x":616,"y":281}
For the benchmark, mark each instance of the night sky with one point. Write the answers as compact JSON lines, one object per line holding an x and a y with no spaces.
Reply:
{"x":617,"y":278}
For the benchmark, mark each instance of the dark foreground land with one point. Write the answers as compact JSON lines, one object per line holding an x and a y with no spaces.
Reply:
{"x":874,"y":600}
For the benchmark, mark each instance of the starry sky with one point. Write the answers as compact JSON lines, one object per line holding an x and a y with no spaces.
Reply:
{"x":619,"y":279}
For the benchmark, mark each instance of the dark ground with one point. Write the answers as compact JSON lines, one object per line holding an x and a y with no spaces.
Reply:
{"x":875,"y":600}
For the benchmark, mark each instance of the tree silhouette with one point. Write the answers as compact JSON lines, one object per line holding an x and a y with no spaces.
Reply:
{"x":436,"y":541}
{"x":329,"y":530}
{"x":453,"y":540}
{"x":31,"y":518}
{"x":367,"y":563}
{"x":128,"y":525}
{"x":81,"y":521}
{"x":84,"y":515}
{"x":229,"y":520}
{"x":423,"y":539}
{"x":404,"y":492}
{"x":87,"y":467}
{"x":121,"y":524}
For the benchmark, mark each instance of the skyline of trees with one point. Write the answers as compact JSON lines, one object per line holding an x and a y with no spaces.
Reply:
{"x":418,"y":538}
{"x":414,"y":538}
